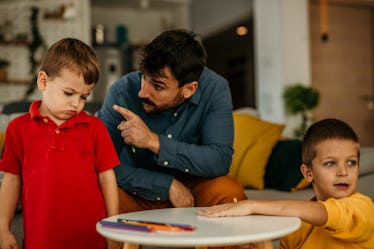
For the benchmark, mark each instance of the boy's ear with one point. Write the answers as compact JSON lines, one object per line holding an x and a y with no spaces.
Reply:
{"x":42,"y":80}
{"x":307,"y":172}
{"x":189,"y":89}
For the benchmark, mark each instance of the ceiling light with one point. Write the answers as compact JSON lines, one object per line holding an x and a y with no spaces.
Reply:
{"x":241,"y":30}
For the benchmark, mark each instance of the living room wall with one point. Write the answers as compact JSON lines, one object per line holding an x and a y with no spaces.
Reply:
{"x":282,"y":55}
{"x":342,"y":66}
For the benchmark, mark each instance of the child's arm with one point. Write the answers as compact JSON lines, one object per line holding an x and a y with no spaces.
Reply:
{"x":9,"y":194}
{"x":108,"y":184}
{"x":311,"y":212}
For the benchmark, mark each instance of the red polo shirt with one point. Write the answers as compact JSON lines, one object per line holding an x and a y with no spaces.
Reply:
{"x":59,"y":165}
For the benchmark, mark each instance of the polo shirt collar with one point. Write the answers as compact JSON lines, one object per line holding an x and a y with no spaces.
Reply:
{"x":81,"y":117}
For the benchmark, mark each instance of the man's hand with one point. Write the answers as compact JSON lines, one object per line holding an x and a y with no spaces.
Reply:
{"x":179,"y":195}
{"x":134,"y":131}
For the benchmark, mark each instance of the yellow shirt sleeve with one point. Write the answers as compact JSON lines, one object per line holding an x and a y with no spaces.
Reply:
{"x":350,"y":224}
{"x":350,"y":218}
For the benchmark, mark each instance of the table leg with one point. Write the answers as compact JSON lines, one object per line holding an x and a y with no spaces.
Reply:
{"x":267,"y":244}
{"x":127,"y":245}
{"x":201,"y":247}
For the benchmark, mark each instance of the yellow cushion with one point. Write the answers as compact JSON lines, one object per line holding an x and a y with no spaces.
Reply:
{"x":254,"y":140}
{"x":2,"y":135}
{"x":301,"y":185}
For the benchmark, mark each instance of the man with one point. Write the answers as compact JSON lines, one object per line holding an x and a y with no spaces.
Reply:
{"x":171,"y":123}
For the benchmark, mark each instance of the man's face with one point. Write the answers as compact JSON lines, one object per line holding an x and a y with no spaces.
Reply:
{"x":163,"y":92}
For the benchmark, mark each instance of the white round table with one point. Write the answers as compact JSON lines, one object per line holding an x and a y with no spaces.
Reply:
{"x":209,"y":231}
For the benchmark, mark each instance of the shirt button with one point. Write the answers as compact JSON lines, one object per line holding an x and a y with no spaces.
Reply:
{"x":166,"y":163}
{"x":158,"y":198}
{"x":134,"y":193}
{"x":45,"y":120}
{"x":57,"y":131}
{"x":170,"y":136}
{"x":175,"y":114}
{"x":186,"y":170}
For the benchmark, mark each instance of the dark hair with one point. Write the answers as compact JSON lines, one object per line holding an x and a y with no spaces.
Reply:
{"x":177,"y":49}
{"x":72,"y":54}
{"x":323,"y":130}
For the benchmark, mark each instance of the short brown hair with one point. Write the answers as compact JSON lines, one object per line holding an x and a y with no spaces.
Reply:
{"x":178,"y":49}
{"x":72,"y":54}
{"x":323,"y":130}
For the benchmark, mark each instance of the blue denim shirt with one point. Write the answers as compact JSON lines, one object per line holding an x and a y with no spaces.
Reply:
{"x":195,"y":138}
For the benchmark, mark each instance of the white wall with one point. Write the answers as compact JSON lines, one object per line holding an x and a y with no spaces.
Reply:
{"x":51,"y":30}
{"x":281,"y":55}
{"x":142,"y":24}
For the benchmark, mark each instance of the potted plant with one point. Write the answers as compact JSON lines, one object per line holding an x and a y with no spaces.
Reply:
{"x":3,"y":66}
{"x":300,"y":100}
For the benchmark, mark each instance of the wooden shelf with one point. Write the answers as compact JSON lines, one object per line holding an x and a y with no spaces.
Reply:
{"x":15,"y":43}
{"x":15,"y":82}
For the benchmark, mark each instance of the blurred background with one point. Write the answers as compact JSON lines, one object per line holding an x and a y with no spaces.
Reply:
{"x":260,"y":46}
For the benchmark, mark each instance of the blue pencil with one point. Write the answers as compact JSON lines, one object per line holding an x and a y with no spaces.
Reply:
{"x":139,"y":228}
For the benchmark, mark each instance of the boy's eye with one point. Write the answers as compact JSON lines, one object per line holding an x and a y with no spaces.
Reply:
{"x":352,"y":163}
{"x":84,"y":97}
{"x":329,"y":163}
{"x":68,"y":93}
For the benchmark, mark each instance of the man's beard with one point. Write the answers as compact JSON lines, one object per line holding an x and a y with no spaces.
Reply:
{"x":158,"y":109}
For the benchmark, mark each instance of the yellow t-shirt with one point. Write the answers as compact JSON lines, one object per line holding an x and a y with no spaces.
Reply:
{"x":350,"y":224}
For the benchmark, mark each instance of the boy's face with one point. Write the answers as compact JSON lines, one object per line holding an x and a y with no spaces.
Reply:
{"x":334,"y":170}
{"x":63,"y":96}
{"x":163,"y":92}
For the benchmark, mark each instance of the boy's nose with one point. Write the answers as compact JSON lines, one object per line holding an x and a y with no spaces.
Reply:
{"x":342,"y":170}
{"x":74,"y":102}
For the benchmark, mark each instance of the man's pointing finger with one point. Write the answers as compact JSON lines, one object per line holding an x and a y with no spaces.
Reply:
{"x":123,"y":111}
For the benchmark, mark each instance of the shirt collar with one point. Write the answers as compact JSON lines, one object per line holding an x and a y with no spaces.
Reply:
{"x":81,"y":117}
{"x":195,"y":98}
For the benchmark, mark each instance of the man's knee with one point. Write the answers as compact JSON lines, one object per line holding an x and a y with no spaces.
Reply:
{"x":219,"y":190}
{"x":230,"y":188}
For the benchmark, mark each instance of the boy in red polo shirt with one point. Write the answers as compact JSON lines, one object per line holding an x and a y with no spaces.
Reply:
{"x":61,"y":157}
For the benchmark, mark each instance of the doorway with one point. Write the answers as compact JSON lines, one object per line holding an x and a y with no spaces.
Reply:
{"x":231,"y":55}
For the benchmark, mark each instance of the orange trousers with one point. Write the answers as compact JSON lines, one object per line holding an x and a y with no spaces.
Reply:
{"x":206,"y":192}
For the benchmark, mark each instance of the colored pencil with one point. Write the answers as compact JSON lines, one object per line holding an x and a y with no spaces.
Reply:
{"x":119,"y":225}
{"x":159,"y":225}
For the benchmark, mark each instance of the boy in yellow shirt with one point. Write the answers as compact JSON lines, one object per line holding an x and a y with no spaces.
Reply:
{"x":338,"y":216}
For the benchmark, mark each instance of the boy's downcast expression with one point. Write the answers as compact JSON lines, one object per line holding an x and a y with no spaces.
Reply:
{"x":63,"y":96}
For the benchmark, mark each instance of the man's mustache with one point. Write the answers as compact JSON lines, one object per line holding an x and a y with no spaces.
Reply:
{"x":147,"y":101}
